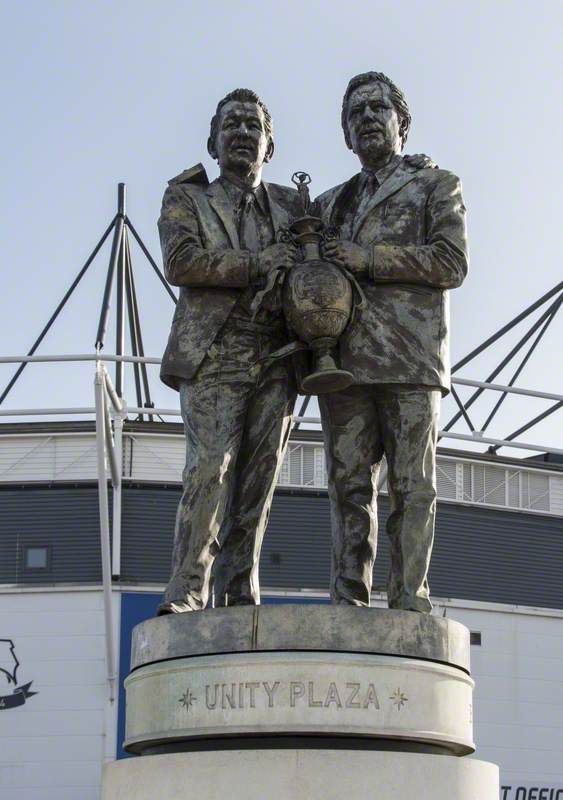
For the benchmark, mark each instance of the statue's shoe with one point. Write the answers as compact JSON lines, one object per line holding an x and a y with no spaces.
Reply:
{"x":176,"y":607}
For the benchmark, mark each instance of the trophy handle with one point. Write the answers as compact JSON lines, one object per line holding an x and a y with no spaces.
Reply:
{"x":285,"y":236}
{"x":331,"y":232}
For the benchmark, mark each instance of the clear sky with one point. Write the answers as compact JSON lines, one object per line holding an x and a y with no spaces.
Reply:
{"x":99,"y":92}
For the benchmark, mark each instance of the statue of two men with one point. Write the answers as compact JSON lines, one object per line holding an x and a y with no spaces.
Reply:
{"x":401,"y":234}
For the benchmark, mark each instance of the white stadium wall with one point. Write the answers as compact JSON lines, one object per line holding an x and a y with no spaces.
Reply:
{"x":53,"y":745}
{"x":518,"y":698}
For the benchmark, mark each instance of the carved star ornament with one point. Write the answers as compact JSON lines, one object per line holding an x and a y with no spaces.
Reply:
{"x":187,"y":699}
{"x":399,"y":698}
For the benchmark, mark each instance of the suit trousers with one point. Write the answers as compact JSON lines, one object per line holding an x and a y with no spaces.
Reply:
{"x":361,"y":424}
{"x":237,"y":414}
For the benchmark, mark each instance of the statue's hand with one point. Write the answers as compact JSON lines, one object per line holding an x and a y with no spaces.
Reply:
{"x":348,"y":255}
{"x":275,"y":256}
{"x":420,"y":161}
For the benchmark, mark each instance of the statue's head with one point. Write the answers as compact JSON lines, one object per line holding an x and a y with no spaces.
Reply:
{"x":242,"y":132}
{"x":375,"y":117}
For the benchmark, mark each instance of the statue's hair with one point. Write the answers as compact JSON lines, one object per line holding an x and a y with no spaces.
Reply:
{"x":398,"y":98}
{"x":242,"y":96}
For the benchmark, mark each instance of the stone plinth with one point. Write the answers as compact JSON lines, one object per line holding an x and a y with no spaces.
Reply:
{"x":322,"y":628}
{"x":303,"y":694}
{"x":300,"y":701}
{"x":296,"y":774}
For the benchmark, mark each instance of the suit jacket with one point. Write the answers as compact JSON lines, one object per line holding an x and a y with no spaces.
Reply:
{"x":202,"y":256}
{"x":414,"y":230}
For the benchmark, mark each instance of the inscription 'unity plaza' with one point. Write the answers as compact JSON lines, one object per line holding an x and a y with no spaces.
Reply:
{"x":269,"y":694}
{"x":311,"y":693}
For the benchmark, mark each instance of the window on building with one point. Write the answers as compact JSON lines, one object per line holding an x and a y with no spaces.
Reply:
{"x":475,"y":638}
{"x":36,"y":557}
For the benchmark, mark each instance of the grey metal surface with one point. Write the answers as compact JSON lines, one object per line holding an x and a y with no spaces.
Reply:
{"x":65,"y":520}
{"x":326,"y":628}
{"x":480,"y":553}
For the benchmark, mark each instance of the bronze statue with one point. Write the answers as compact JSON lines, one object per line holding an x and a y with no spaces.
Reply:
{"x":220,"y":241}
{"x":402,"y":235}
{"x":361,"y":279}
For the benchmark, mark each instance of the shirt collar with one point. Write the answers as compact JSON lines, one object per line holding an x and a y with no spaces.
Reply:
{"x":236,"y":194}
{"x":382,"y":174}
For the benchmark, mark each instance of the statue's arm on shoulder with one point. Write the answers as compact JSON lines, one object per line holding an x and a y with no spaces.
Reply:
{"x":419,"y":161}
{"x":187,"y":262}
{"x":442,"y":261}
{"x":323,"y":203}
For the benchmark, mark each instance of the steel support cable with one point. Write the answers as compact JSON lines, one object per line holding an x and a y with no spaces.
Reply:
{"x":462,"y":409}
{"x":528,"y":425}
{"x":151,"y":260}
{"x":504,"y":362}
{"x":115,"y":253}
{"x":137,"y":324}
{"x":507,"y":327}
{"x":525,"y":360}
{"x":132,"y":327}
{"x":59,"y":308}
{"x":302,"y":410}
{"x":120,"y":317}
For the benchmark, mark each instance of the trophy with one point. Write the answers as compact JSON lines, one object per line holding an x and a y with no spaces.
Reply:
{"x":317,"y":298}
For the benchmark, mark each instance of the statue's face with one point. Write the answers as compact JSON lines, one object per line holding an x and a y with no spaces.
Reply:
{"x":373,"y":123}
{"x":242,"y":143}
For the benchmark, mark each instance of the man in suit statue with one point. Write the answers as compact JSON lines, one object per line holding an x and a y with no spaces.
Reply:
{"x":219,"y":245}
{"x":402,"y":234}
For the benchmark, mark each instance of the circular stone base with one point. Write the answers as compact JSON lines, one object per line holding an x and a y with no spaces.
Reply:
{"x":299,"y":694}
{"x":299,"y":774}
{"x":299,"y":627}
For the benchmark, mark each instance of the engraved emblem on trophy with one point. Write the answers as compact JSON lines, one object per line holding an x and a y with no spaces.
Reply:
{"x":317,"y":298}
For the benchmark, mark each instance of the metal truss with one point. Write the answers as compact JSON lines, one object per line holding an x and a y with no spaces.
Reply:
{"x":527,"y":344}
{"x":119,"y":273}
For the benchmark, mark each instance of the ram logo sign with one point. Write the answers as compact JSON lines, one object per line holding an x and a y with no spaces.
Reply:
{"x":8,"y":670}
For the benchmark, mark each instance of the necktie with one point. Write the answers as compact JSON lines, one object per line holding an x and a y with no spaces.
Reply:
{"x":370,"y":187}
{"x":249,"y":229}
